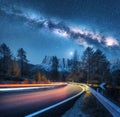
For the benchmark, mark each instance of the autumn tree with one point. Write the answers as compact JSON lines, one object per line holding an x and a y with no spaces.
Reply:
{"x":43,"y":79}
{"x":38,"y":77}
{"x":15,"y":68}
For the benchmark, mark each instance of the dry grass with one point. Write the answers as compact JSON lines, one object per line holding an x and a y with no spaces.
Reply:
{"x":91,"y":106}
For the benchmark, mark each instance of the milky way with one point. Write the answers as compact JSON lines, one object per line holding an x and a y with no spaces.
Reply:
{"x":81,"y":36}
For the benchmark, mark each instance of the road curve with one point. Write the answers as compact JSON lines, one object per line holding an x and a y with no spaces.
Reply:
{"x":19,"y":104}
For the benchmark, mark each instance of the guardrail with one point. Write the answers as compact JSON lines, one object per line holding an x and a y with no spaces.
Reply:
{"x":112,"y":108}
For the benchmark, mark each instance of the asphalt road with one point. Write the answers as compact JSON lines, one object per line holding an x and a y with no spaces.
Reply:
{"x":20,"y":104}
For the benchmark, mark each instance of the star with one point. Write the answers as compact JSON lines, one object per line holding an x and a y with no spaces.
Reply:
{"x":71,"y":53}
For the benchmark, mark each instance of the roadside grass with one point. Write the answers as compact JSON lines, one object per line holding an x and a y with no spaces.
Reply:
{"x":92,"y":107}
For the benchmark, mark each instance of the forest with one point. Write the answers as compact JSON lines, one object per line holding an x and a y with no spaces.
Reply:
{"x":92,"y":67}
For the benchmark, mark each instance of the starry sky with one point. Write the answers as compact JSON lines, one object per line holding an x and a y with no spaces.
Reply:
{"x":59,"y":27}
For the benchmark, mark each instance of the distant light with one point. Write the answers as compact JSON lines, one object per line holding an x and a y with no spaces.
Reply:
{"x":71,"y":53}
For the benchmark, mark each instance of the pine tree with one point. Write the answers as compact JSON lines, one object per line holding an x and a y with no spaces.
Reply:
{"x":5,"y":58}
{"x":87,"y":60}
{"x":54,"y":70}
{"x":23,"y":61}
{"x":101,"y":66}
{"x":75,"y":63}
{"x":63,"y":62}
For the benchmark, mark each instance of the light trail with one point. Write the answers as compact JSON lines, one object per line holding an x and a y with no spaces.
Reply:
{"x":55,"y":105}
{"x":24,"y":103}
{"x":16,"y":87}
{"x":25,"y":88}
{"x":30,"y":85}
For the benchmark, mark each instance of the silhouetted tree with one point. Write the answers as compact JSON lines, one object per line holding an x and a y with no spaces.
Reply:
{"x":75,"y":63}
{"x":96,"y":65}
{"x":101,"y":66}
{"x":15,"y":68}
{"x":69,"y":63}
{"x":75,"y":68}
{"x":116,"y":77}
{"x":54,"y":70}
{"x":23,"y":61}
{"x":5,"y":58}
{"x":87,"y":62}
{"x":63,"y":62}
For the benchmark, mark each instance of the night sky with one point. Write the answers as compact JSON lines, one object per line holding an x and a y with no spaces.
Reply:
{"x":59,"y":27}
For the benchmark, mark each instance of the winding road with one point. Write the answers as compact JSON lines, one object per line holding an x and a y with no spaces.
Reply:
{"x":22,"y":103}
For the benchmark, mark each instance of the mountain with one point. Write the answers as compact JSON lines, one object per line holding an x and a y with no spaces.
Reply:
{"x":63,"y":64}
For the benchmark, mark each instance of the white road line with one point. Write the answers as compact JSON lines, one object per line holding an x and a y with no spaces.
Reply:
{"x":55,"y":105}
{"x":24,"y":88}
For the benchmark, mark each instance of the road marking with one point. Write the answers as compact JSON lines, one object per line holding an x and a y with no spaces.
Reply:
{"x":24,"y":88}
{"x":55,"y":105}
